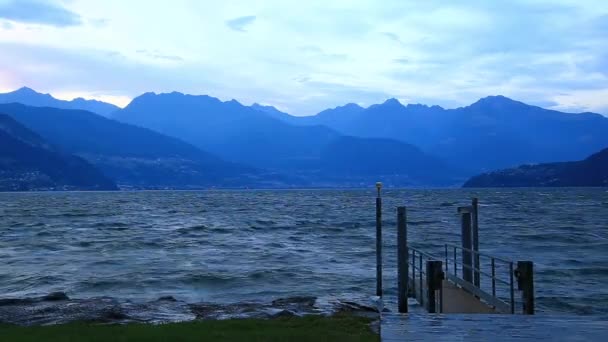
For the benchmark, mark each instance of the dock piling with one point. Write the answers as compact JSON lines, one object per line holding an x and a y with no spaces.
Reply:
{"x":378,"y":241}
{"x":525,"y":283}
{"x":434,"y":279}
{"x":466,"y":239}
{"x":475,"y":233}
{"x":402,"y":261}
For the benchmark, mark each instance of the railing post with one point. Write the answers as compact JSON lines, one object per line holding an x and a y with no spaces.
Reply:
{"x":493,"y":278}
{"x":414,"y":273}
{"x":467,"y":256}
{"x":402,"y":261}
{"x":379,"y":241}
{"x":455,"y":263}
{"x":434,"y":279}
{"x":525,"y":283}
{"x":511,"y":288}
{"x":475,"y":228}
{"x":420,"y":285}
{"x":446,"y":259}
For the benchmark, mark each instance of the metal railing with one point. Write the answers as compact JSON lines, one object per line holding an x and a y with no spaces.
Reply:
{"x":470,"y":270}
{"x":418,"y":287}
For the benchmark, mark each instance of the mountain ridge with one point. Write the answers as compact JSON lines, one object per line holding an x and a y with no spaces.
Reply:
{"x":28,"y":162}
{"x":477,"y":135}
{"x":30,"y":97}
{"x":591,"y":171}
{"x":133,"y":156}
{"x":253,"y":136}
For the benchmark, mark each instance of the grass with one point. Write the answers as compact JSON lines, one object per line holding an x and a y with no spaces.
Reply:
{"x":309,"y":328}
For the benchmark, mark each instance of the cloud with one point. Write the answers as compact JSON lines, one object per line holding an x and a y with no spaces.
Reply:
{"x":241,"y":23}
{"x":38,"y":12}
{"x":302,"y":79}
{"x":99,"y":22}
{"x":401,"y":60}
{"x":392,"y":36}
{"x":6,"y":25}
{"x":158,"y":55}
{"x":314,"y":54}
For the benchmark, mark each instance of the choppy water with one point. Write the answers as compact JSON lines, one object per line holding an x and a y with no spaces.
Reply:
{"x":212,"y":249}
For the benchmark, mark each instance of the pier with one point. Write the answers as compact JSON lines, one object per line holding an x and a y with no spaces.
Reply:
{"x":459,"y":280}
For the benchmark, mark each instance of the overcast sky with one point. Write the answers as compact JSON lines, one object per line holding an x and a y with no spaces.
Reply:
{"x":305,"y":56}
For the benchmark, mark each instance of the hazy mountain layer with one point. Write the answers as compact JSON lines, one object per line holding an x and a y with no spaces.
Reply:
{"x":28,"y":162}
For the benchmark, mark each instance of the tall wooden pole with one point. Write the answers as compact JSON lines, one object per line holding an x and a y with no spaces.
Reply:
{"x":467,"y":256}
{"x":525,"y":281}
{"x":402,"y":260}
{"x":379,"y":241}
{"x":434,"y":278}
{"x":475,"y":228}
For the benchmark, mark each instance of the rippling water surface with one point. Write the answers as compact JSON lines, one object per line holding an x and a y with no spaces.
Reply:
{"x":227,"y":247}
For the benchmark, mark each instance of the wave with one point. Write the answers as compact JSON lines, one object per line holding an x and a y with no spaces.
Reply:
{"x":57,"y":308}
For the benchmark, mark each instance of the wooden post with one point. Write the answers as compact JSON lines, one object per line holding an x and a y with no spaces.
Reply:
{"x":475,"y":228}
{"x":467,"y":256}
{"x":379,"y":241}
{"x":525,"y":283}
{"x":402,"y":261}
{"x":413,"y":273}
{"x":434,"y":279}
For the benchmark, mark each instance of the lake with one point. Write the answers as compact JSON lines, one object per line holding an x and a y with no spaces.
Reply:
{"x":175,"y":255}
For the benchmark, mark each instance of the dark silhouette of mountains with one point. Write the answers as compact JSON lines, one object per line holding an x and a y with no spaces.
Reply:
{"x":132,"y":156}
{"x":30,"y":97}
{"x":28,"y":162}
{"x":495,"y":132}
{"x":175,"y":140}
{"x":592,"y":171}
{"x":257,"y":136}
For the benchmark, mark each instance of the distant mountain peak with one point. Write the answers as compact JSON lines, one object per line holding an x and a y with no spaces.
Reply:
{"x":496,"y":100}
{"x":352,"y":105}
{"x":392,"y":102}
{"x":26,"y":90}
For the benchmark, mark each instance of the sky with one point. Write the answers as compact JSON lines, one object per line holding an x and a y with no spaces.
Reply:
{"x":306,"y":56}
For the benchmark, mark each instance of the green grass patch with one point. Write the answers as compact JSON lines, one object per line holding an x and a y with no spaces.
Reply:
{"x":309,"y":328}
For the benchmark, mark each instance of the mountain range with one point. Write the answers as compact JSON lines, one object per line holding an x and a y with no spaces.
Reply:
{"x":30,"y":97}
{"x":494,"y":132}
{"x":134,"y":157}
{"x":28,"y":162}
{"x":314,"y":154}
{"x":175,"y":140}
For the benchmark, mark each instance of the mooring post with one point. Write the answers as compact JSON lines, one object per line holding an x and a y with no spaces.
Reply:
{"x":467,"y":256}
{"x":434,"y":279}
{"x":378,"y":241}
{"x":475,"y":226}
{"x":525,"y":283}
{"x":402,"y":261}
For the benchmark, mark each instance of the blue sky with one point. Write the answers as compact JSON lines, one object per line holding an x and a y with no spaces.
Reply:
{"x":305,"y":56}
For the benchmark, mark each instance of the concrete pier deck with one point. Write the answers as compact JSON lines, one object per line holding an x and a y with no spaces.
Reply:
{"x":480,"y":327}
{"x":457,"y":300}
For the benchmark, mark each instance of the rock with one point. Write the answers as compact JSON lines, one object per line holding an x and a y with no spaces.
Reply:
{"x":115,"y":314}
{"x":283,"y":314}
{"x":55,"y":296}
{"x":167,"y":299}
{"x":15,"y":301}
{"x":305,"y":301}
